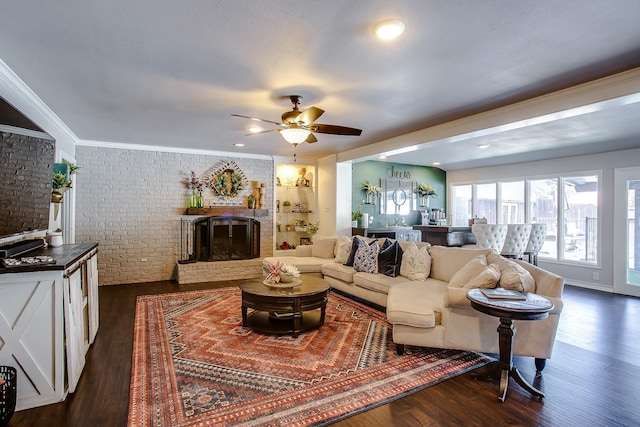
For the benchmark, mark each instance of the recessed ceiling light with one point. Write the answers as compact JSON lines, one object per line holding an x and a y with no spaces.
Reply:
{"x":436,"y":163}
{"x":239,"y":144}
{"x":255,"y":129}
{"x":484,"y":145}
{"x":382,"y":157}
{"x":389,"y":29}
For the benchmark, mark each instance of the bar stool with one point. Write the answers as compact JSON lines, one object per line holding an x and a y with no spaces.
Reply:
{"x":536,"y":240}
{"x":489,"y":236}
{"x":516,"y":241}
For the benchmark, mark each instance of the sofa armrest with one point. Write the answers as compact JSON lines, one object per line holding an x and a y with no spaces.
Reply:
{"x":547,"y":283}
{"x":304,"y":250}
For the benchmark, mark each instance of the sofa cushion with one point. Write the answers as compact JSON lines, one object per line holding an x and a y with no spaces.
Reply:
{"x":340,"y":240}
{"x":366,"y":258}
{"x":343,"y":249}
{"x":476,"y":274}
{"x":512,"y":275}
{"x":390,"y":258}
{"x":304,"y":250}
{"x":377,"y":282}
{"x":338,"y":271}
{"x":416,"y":303}
{"x":416,"y":263}
{"x":303,"y":264}
{"x":323,"y":247}
{"x":446,"y":261}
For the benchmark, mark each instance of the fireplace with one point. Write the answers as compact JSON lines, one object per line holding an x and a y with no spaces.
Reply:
{"x":225,"y":238}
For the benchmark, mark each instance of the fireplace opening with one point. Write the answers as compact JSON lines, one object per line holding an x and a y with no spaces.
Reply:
{"x":225,"y":238}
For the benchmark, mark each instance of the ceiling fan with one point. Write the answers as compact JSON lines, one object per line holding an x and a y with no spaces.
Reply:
{"x":298,"y":126}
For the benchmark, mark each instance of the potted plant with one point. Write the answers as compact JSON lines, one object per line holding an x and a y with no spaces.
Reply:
{"x":286,"y":206}
{"x":251,"y":201}
{"x":355,"y":217}
{"x":58,"y":182}
{"x":371,"y":192}
{"x":300,"y":225}
{"x":425,"y":191}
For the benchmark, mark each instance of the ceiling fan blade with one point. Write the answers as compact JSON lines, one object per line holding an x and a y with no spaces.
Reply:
{"x":257,"y":119}
{"x":309,"y":115}
{"x":262,"y":131}
{"x":311,"y":139}
{"x":335,"y":130}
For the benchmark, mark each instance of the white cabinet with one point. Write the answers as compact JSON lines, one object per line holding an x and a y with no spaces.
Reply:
{"x":32,"y":336}
{"x":46,"y":325}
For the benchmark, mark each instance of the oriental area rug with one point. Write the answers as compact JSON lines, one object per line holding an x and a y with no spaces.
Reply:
{"x":194,"y":364}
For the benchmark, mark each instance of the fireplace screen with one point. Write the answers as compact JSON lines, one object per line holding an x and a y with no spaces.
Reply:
{"x":226,"y":238}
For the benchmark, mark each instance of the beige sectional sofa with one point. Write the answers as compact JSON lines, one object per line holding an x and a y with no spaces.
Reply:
{"x":430,"y":309}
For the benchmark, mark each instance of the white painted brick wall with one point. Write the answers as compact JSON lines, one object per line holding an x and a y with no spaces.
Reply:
{"x":131,"y":202}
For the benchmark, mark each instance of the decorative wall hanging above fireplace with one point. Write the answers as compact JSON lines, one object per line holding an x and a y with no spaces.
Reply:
{"x":226,"y":179}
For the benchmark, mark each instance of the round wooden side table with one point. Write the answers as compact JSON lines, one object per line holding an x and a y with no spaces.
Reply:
{"x":534,"y":307}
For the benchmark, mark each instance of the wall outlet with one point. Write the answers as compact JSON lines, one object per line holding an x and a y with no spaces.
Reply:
{"x":595,"y":275}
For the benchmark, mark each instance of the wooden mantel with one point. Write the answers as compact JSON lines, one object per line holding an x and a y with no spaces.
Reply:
{"x":227,"y":210}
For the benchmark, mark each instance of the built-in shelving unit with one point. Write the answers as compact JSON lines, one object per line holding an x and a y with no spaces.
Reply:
{"x":294,"y":184}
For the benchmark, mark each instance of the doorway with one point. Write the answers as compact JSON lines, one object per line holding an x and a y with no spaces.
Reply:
{"x":626,"y":254}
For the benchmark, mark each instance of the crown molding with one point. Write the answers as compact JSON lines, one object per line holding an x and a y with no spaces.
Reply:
{"x":18,"y":94}
{"x":25,"y":132}
{"x":164,"y":149}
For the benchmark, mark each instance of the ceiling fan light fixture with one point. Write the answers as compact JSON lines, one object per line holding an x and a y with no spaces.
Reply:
{"x":294,"y":135}
{"x":389,"y":29}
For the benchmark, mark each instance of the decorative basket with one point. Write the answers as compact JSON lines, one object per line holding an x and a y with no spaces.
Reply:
{"x":8,"y":394}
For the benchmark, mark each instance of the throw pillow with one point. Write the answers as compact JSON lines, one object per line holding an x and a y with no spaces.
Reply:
{"x":390,"y":258}
{"x":476,"y":273}
{"x":344,"y":249}
{"x":416,"y":263}
{"x":354,"y":247}
{"x":323,"y":247}
{"x":512,"y":275}
{"x":366,"y":258}
{"x":339,"y":241}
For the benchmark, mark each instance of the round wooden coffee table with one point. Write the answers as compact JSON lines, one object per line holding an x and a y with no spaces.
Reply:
{"x":534,"y":307}
{"x":284,"y":310}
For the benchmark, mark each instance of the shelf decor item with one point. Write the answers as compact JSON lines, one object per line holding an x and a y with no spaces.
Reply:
{"x":286,"y":206}
{"x":251,"y":201}
{"x":282,"y":273}
{"x":371,"y":192}
{"x":425,"y":192}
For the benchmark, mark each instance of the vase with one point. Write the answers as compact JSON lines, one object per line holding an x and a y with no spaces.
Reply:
{"x":56,"y":196}
{"x":199,"y":201}
{"x":371,"y":199}
{"x":424,"y":201}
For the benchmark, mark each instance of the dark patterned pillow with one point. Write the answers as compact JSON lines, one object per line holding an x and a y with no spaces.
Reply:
{"x":354,"y":247}
{"x":390,"y":259}
{"x":366,"y":258}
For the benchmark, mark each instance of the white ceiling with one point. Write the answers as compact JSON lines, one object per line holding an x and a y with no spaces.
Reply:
{"x":170,"y":73}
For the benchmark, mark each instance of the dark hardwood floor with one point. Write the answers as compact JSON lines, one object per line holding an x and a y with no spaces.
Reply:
{"x":593,"y":378}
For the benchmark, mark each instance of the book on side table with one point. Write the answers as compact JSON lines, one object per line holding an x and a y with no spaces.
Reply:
{"x":501,"y":293}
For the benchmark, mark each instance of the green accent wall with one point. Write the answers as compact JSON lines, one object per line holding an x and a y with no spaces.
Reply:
{"x":374,"y":171}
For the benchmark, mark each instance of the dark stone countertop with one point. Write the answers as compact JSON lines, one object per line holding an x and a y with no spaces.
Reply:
{"x":65,"y":256}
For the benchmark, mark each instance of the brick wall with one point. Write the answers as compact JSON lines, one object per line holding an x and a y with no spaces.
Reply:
{"x":131,"y":203}
{"x":26,"y":168}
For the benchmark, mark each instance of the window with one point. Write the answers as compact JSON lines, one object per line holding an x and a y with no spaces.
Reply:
{"x":567,"y":204}
{"x":512,"y":202}
{"x":461,"y":196}
{"x":580,"y":218}
{"x":486,"y":202}
{"x":543,"y":208}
